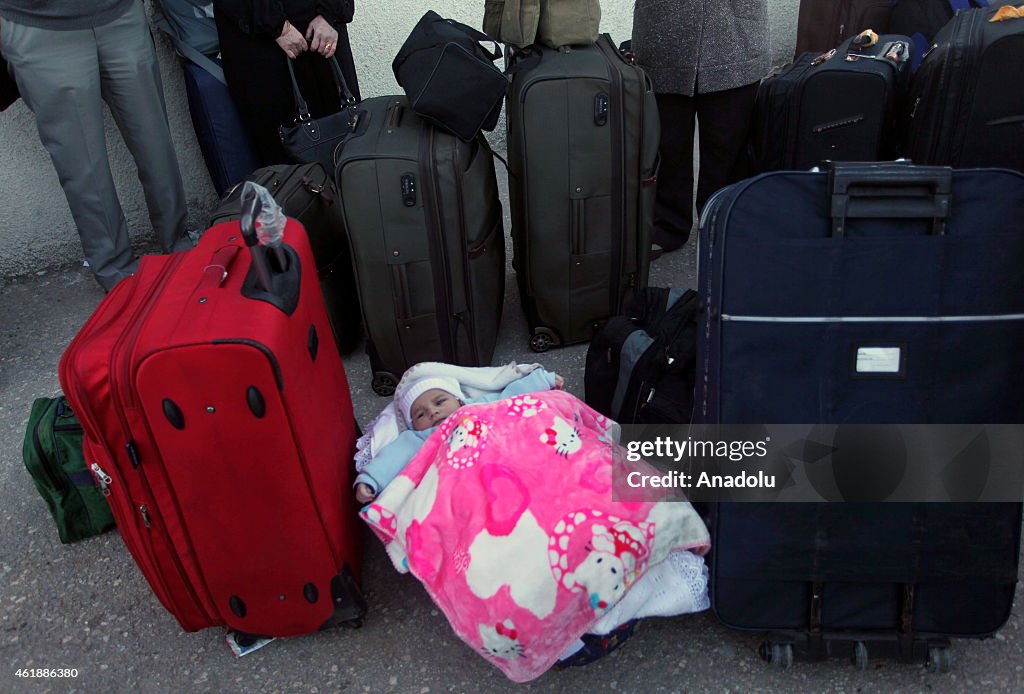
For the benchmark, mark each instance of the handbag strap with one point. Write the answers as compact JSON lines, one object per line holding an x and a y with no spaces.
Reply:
{"x":339,"y":79}
{"x":424,"y":36}
{"x":479,"y":37}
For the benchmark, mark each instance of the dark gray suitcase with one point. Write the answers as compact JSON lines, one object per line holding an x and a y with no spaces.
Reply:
{"x":423,"y":216}
{"x":583,"y":136}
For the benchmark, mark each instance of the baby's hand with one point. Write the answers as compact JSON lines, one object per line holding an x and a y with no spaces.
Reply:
{"x":364,"y":494}
{"x":559,"y":382}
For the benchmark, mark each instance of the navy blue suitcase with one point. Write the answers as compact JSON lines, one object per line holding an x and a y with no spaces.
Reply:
{"x":226,"y":150}
{"x":800,"y":272}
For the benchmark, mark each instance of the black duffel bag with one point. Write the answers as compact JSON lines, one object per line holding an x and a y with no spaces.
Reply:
{"x":641,"y":365}
{"x":449,"y":78}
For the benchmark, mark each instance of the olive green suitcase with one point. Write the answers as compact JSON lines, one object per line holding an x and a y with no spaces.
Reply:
{"x":423,"y":216}
{"x":583,"y":135}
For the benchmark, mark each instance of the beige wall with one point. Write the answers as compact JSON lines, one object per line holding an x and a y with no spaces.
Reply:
{"x":37,"y":230}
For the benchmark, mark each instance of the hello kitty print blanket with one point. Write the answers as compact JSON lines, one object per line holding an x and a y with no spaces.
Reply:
{"x":506,"y":516}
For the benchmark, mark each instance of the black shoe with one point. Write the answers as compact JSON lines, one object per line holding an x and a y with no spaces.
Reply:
{"x":668,"y":241}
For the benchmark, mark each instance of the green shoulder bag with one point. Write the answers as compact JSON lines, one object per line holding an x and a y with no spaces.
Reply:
{"x":53,"y":455}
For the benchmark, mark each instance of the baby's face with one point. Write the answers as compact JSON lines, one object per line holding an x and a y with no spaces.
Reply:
{"x":432,"y":408}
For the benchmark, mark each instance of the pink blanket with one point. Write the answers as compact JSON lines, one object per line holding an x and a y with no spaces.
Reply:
{"x":506,"y":516}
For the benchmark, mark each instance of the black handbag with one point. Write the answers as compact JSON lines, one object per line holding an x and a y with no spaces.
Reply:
{"x":314,"y":140}
{"x":449,"y":78}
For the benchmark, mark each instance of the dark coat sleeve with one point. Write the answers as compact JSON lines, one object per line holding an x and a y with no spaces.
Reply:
{"x":256,"y":17}
{"x":336,"y":11}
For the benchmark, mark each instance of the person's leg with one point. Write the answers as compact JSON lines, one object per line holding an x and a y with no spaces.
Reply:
{"x":723,"y":142}
{"x":133,"y":91}
{"x":62,"y":87}
{"x":673,"y":207}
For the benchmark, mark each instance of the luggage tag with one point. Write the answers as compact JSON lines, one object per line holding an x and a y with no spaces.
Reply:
{"x":896,"y":51}
{"x":823,"y":57}
{"x":239,"y":650}
{"x":864,"y":40}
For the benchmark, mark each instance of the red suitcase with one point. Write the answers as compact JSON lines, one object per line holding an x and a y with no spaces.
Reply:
{"x":219,"y":422}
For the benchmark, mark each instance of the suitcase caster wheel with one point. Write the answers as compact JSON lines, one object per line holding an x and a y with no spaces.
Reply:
{"x":939,"y":659}
{"x":860,"y":655}
{"x":779,"y":655}
{"x":384,"y":383}
{"x":541,"y":342}
{"x":356,"y":623}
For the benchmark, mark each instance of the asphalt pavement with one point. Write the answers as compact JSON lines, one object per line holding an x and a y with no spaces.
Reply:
{"x":87,"y":607}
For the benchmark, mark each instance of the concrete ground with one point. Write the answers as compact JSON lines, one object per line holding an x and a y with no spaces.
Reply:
{"x":87,"y":606}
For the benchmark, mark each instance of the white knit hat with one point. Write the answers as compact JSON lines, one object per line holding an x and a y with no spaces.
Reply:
{"x":406,"y":395}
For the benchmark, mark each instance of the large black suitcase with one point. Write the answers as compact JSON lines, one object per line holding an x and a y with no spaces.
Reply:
{"x":583,"y":135}
{"x":921,"y":20}
{"x":424,"y":219}
{"x":306,"y":192}
{"x":966,"y":102}
{"x":840,"y":105}
{"x":804,"y":273}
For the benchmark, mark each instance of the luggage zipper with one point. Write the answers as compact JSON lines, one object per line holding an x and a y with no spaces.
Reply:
{"x":54,"y":430}
{"x":120,"y":393}
{"x":82,"y":397}
{"x":936,"y":140}
{"x":978,"y":318}
{"x":793,"y":113}
{"x":46,"y":464}
{"x":59,"y":463}
{"x":939,"y":106}
{"x":522,"y":260}
{"x":122,"y":397}
{"x":465,"y":319}
{"x":435,"y":236}
{"x":707,"y":235}
{"x":612,"y":56}
{"x":974,"y":29}
{"x":102,"y":478}
{"x":638,"y":404}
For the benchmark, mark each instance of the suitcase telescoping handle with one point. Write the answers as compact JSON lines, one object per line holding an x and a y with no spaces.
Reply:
{"x":888,"y":190}
{"x":250,"y":211}
{"x":280,"y":286}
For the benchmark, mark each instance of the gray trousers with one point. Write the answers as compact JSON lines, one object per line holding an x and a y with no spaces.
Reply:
{"x":64,"y":77}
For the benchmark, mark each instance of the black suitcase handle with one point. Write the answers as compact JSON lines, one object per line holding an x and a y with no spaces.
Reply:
{"x":889,"y":190}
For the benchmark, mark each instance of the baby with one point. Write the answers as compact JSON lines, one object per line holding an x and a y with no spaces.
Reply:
{"x":424,"y":403}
